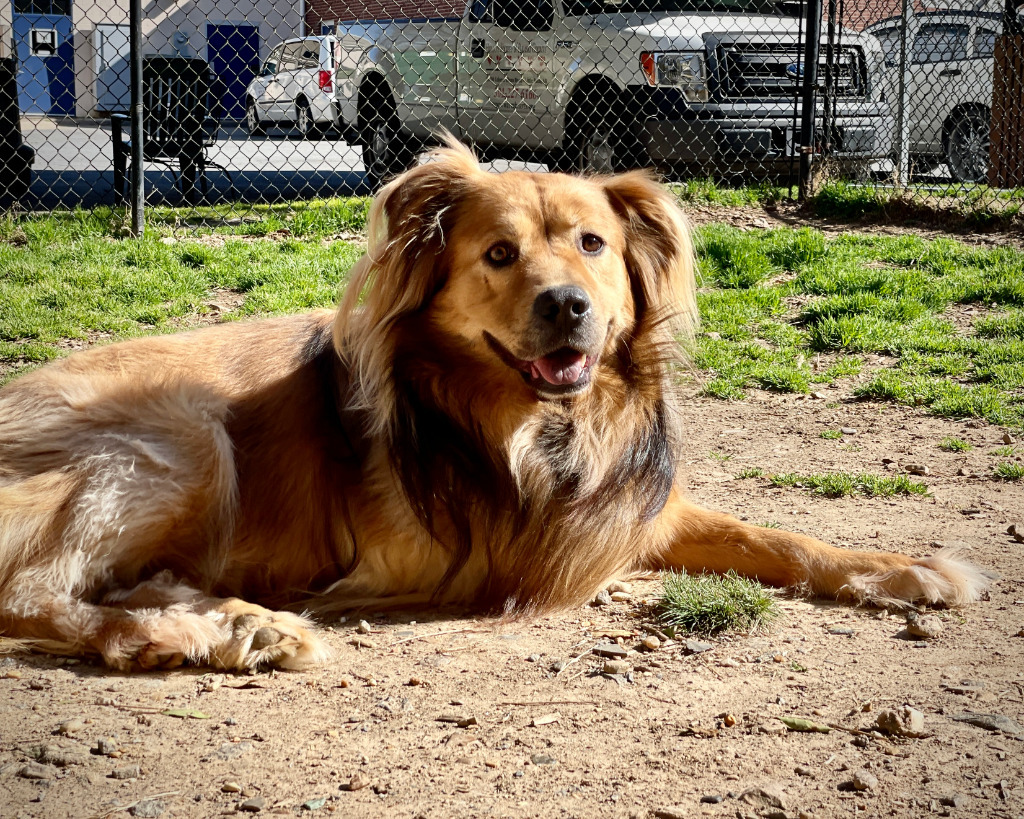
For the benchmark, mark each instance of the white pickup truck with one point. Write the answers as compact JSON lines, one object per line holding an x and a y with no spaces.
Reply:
{"x":709,"y":86}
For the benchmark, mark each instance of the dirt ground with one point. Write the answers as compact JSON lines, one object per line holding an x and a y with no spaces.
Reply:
{"x":452,"y":717}
{"x":438,"y":717}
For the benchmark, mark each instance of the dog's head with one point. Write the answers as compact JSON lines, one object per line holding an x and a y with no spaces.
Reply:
{"x":538,"y":277}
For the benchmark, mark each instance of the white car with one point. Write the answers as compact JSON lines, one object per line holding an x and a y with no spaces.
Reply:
{"x":295,"y":86}
{"x":948,"y":87}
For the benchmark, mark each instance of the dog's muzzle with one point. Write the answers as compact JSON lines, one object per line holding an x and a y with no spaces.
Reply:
{"x":564,"y":328}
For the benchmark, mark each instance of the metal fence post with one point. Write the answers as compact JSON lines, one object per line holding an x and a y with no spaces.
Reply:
{"x":810,"y":73}
{"x":138,"y":193}
{"x":902,"y":123}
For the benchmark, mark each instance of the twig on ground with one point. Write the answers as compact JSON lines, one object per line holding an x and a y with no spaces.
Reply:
{"x":129,"y":806}
{"x":439,"y":634}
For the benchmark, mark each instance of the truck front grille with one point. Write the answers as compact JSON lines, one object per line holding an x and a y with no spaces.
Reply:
{"x":750,"y":70}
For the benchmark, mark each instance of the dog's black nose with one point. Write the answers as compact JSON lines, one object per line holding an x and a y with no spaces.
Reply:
{"x":565,"y":308}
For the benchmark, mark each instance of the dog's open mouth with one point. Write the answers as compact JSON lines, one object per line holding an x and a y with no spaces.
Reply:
{"x":562,"y":372}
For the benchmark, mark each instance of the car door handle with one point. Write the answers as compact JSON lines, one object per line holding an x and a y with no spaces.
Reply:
{"x":477,"y":49}
{"x":950,"y":72}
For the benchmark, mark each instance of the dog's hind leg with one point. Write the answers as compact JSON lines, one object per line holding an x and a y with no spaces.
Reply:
{"x":697,"y":540}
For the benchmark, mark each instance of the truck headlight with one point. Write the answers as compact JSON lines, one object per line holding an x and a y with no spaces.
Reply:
{"x":677,"y":69}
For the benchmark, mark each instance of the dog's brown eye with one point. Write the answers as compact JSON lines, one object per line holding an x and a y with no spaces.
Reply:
{"x":591,"y":243}
{"x":501,"y":254}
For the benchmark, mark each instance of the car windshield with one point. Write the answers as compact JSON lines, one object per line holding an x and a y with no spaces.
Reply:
{"x":582,"y":7}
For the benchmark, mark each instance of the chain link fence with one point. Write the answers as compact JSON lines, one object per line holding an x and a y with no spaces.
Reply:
{"x":260,"y":101}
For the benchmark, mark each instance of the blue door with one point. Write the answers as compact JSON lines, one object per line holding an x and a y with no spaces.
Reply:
{"x":233,"y":52}
{"x":46,"y":80}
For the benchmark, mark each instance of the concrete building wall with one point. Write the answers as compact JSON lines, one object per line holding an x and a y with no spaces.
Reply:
{"x":163,"y":20}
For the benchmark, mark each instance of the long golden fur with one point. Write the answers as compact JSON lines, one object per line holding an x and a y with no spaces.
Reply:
{"x":494,"y":426}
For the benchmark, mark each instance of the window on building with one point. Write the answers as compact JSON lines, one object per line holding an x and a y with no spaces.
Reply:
{"x":55,"y":7}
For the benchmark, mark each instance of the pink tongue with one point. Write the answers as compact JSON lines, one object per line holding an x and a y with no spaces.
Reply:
{"x":561,"y":368}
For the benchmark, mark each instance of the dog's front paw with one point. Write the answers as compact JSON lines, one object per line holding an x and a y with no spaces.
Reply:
{"x":255,"y":636}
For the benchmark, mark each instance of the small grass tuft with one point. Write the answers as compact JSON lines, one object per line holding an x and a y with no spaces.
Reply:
{"x":707,"y":604}
{"x":750,"y":472}
{"x":1010,"y":471}
{"x":955,"y":445}
{"x":831,"y":434}
{"x":841,"y":484}
{"x":1005,"y":451}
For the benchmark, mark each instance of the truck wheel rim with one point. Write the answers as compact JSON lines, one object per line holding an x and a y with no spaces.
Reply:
{"x":969,"y":144}
{"x":251,"y":119}
{"x":598,"y":153}
{"x":381,"y":142}
{"x":303,"y":120}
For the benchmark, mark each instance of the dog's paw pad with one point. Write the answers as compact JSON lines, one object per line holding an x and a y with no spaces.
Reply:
{"x":278,"y":639}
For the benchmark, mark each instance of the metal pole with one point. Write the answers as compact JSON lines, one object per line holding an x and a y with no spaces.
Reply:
{"x":810,"y":71}
{"x":902,"y":121}
{"x":138,"y":194}
{"x":829,"y":95}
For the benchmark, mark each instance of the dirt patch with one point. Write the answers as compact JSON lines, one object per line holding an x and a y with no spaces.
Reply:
{"x":377,"y":731}
{"x":791,"y":214}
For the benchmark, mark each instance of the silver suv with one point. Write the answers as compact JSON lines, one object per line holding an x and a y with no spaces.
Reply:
{"x":295,"y":87}
{"x":948,"y":87}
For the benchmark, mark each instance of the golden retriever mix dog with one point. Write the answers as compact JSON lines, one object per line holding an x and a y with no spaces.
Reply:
{"x":488,"y":421}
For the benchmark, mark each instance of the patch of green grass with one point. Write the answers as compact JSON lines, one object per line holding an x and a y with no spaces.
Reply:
{"x":830,"y":434}
{"x":709,"y":191}
{"x":1008,"y":325}
{"x":946,"y":398}
{"x":1010,"y":471}
{"x":951,"y":444}
{"x":750,"y":472}
{"x":721,"y":457}
{"x":63,"y":276}
{"x":1005,"y":451}
{"x":841,"y":484}
{"x":732,"y":258}
{"x":708,"y":604}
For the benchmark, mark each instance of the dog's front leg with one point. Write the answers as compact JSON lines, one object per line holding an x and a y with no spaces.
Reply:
{"x":697,"y":540}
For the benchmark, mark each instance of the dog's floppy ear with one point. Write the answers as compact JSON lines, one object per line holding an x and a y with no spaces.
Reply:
{"x":403,"y":266}
{"x":659,"y":249}
{"x":406,"y":229}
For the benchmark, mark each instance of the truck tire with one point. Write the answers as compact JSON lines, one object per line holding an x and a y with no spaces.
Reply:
{"x":967,"y":143}
{"x":598,"y":138}
{"x":252,"y":119}
{"x":386,"y":150}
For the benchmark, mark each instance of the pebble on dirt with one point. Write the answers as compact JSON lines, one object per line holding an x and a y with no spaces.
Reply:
{"x":253,"y":805}
{"x":356,"y":783}
{"x":126,"y":772}
{"x":147,"y":809}
{"x":71,"y":726}
{"x":602,"y":598}
{"x":695,"y":647}
{"x":864,"y":780}
{"x":906,"y":722}
{"x":33,"y":770}
{"x":611,"y":651}
{"x":616,"y":667}
{"x":990,"y":722}
{"x":923,"y":627}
